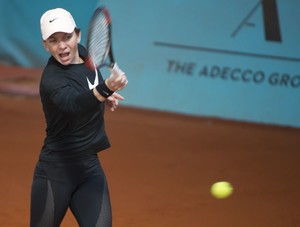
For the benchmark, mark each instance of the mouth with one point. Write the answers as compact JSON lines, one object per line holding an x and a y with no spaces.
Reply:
{"x":64,"y":56}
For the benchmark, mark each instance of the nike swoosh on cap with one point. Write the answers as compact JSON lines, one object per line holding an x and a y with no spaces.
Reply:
{"x":50,"y":21}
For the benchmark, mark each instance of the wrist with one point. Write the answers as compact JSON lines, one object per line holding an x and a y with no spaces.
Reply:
{"x":108,"y":84}
{"x":104,"y":90}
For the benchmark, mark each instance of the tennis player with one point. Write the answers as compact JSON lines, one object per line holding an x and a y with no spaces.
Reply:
{"x":68,"y":173}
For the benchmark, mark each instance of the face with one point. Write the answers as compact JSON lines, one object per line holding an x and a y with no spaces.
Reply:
{"x":63,"y":47}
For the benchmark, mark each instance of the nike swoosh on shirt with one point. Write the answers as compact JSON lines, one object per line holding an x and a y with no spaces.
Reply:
{"x":96,"y":82}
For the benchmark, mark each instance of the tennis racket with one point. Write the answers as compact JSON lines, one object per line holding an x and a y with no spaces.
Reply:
{"x":99,"y":43}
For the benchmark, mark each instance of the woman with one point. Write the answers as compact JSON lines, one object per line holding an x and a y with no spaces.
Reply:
{"x":68,"y":173}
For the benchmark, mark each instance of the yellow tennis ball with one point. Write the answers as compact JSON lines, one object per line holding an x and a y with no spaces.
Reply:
{"x":221,"y":189}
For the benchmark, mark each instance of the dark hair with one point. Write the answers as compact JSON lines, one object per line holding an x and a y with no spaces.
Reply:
{"x":77,"y":30}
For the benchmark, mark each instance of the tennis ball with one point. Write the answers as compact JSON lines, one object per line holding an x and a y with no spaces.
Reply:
{"x":221,"y":189}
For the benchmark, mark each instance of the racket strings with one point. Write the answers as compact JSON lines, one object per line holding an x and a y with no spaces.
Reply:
{"x":99,"y":39}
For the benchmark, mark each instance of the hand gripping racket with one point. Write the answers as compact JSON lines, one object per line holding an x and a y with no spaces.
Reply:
{"x":99,"y":43}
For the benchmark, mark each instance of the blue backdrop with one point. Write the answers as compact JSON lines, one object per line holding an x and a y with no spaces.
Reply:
{"x":227,"y":59}
{"x":21,"y":41}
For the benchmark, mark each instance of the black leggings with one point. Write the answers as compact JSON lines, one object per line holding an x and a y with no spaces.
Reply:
{"x":80,"y":186}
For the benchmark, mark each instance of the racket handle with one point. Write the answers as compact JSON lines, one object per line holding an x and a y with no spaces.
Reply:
{"x":117,"y":70}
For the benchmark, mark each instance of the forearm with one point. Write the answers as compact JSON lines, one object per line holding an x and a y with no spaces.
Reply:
{"x":85,"y":102}
{"x":102,"y":92}
{"x":98,"y":96}
{"x":116,"y":81}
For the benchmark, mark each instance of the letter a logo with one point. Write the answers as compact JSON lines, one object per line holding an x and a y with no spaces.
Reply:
{"x":270,"y":20}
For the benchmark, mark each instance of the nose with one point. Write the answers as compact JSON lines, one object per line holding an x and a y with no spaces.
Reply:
{"x":62,"y":45}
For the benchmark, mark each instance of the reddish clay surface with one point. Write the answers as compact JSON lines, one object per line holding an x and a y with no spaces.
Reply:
{"x":161,"y":166}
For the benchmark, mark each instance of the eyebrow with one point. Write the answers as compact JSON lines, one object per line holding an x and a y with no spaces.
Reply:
{"x":65,"y":33}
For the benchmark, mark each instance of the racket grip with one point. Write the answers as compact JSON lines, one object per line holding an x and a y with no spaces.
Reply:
{"x":117,"y":70}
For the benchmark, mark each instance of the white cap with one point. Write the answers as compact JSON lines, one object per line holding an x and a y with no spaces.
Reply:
{"x":56,"y":20}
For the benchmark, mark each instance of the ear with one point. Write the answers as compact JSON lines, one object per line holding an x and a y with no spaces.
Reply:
{"x":79,"y":37}
{"x":45,"y":45}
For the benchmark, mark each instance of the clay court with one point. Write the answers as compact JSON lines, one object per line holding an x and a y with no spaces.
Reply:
{"x":161,"y":166}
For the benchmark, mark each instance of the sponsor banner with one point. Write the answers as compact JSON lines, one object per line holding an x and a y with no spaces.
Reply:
{"x":230,"y":59}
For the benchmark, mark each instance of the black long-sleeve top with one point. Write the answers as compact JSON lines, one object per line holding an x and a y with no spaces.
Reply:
{"x":74,"y":116}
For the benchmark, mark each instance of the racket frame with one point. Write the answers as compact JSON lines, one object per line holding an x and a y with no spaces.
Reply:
{"x":108,"y":55}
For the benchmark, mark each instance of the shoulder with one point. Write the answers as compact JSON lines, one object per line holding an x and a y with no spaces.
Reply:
{"x":53,"y":69}
{"x":53,"y":76}
{"x":83,"y":53}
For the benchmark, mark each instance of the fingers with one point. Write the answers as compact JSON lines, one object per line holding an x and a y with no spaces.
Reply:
{"x":113,"y":101}
{"x":117,"y":96}
{"x":122,"y":82}
{"x":117,"y":80}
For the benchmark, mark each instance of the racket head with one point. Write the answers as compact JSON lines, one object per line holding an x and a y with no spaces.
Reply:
{"x":99,"y":39}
